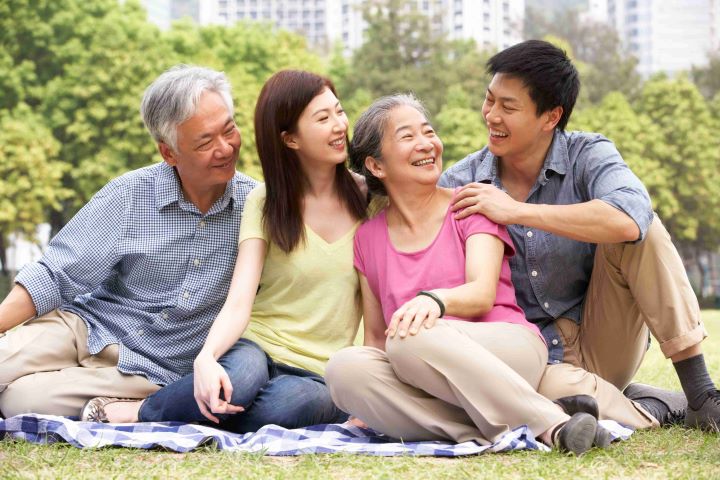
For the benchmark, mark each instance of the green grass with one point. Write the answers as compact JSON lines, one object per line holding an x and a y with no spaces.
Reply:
{"x":665,"y":453}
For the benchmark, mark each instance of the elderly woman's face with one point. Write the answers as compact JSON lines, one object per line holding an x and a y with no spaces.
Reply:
{"x":411,"y":150}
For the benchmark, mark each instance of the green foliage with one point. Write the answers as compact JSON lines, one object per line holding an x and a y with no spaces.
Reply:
{"x":707,"y":78}
{"x":607,"y":67}
{"x":404,"y":52}
{"x":691,"y":153}
{"x":640,"y":142}
{"x":462,"y":129}
{"x":30,"y":178}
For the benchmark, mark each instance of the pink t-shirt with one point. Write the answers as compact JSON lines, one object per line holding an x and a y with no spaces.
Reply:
{"x":396,"y":277}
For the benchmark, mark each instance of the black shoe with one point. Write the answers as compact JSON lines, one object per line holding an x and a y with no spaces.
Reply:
{"x":603,"y":437}
{"x":577,"y":434}
{"x":579,"y":403}
{"x":707,"y":417}
{"x":673,"y":405}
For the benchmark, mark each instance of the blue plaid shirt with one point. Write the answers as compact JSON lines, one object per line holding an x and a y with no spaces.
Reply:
{"x":144,"y":268}
{"x":551,"y":273}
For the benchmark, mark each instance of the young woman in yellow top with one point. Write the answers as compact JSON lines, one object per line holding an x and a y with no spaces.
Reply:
{"x":294,"y":295}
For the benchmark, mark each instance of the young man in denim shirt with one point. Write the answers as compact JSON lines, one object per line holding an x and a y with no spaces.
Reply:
{"x":594,"y":268}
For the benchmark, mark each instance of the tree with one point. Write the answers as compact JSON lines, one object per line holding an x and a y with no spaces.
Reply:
{"x":691,"y":153}
{"x":461,"y":129}
{"x":707,"y":78}
{"x":82,"y":66}
{"x":610,"y":66}
{"x":639,"y":141}
{"x":30,"y":180}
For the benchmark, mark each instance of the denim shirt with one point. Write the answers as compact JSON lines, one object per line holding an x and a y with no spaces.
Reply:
{"x":551,"y":273}
{"x":144,"y":268}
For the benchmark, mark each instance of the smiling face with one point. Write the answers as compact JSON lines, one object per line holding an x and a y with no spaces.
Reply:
{"x":411,"y":151}
{"x":208,"y":144}
{"x":321,"y":131}
{"x":516,"y":131}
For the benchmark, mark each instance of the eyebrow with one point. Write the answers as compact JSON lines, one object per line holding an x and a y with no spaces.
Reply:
{"x":504,"y":99}
{"x":404,"y":127}
{"x":324,"y":109}
{"x":206,"y":135}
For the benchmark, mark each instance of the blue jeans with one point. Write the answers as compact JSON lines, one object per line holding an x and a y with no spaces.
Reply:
{"x":270,"y":392}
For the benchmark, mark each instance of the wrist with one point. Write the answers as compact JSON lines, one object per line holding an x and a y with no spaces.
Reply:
{"x":435,"y":297}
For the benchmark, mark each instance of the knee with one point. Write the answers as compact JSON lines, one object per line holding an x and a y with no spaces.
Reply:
{"x":27,"y":395}
{"x":247,"y":366}
{"x":408,"y":350}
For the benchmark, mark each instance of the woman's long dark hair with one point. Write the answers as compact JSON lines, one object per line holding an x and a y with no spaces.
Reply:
{"x":282,"y":100}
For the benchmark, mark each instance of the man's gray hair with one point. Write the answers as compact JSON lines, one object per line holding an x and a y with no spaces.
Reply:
{"x":173,"y":98}
{"x":368,"y":134}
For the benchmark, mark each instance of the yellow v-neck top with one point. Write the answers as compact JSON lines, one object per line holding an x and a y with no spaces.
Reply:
{"x":308,"y":302}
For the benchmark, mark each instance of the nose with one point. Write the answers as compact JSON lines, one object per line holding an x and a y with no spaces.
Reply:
{"x":224,"y":148}
{"x":492,"y":115}
{"x":424,"y":145}
{"x":340,"y":125}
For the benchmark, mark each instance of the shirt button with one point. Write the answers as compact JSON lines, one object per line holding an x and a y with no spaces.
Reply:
{"x":186,"y":295}
{"x":530,"y":234}
{"x":141,"y":332}
{"x":556,"y":361}
{"x":165,"y":315}
{"x":534,"y":273}
{"x":201,"y":224}
{"x":546,"y":305}
{"x":555,"y":341}
{"x":196,"y":262}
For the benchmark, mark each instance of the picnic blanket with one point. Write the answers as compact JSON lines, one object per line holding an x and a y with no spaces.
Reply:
{"x":269,"y":440}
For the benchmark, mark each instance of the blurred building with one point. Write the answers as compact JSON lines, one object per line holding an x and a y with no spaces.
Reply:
{"x":666,"y":35}
{"x":495,"y":23}
{"x":158,"y":12}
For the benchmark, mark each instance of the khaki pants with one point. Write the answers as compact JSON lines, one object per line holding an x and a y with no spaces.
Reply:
{"x":457,"y":381}
{"x":45,"y":367}
{"x":634,"y":287}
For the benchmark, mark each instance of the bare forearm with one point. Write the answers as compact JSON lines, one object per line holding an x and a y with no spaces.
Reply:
{"x":468,"y":300}
{"x":16,"y":308}
{"x":593,"y":222}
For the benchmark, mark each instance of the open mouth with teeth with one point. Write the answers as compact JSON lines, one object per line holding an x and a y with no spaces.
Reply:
{"x":423,"y":162}
{"x":498,"y":134}
{"x":339,"y":143}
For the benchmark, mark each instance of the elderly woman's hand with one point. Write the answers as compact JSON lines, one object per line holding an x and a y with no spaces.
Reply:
{"x":412,"y":315}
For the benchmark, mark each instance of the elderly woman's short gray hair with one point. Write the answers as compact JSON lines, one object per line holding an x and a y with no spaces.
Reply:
{"x":173,"y":98}
{"x":368,"y":135}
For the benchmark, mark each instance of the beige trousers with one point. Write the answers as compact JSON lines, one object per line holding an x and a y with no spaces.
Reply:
{"x":45,"y":367}
{"x":634,"y":287}
{"x":457,"y":381}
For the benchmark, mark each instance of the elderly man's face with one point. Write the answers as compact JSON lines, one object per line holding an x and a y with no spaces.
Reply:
{"x":208,"y":144}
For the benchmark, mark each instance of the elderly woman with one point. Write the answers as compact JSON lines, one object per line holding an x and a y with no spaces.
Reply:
{"x":448,"y":354}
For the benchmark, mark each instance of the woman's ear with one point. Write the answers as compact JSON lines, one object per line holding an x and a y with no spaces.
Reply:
{"x":289,"y":140}
{"x":374,"y":166}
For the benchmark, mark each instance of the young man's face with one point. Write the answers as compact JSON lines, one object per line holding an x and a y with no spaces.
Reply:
{"x":515,"y":129}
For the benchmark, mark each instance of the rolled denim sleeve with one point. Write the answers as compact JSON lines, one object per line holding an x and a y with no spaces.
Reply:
{"x":608,"y":178}
{"x":82,"y":255}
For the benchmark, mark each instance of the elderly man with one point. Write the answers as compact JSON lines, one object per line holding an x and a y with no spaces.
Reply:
{"x":123,"y":299}
{"x":595,"y":269}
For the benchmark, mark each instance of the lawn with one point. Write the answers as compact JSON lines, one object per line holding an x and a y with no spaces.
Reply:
{"x":665,"y":453}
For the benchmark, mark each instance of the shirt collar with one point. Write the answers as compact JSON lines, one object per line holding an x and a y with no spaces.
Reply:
{"x":168,"y":190}
{"x":167,"y":186}
{"x":556,"y":160}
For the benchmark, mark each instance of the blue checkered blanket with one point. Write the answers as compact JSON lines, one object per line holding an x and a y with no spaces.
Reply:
{"x":269,"y":440}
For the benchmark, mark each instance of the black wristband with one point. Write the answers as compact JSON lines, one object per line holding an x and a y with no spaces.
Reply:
{"x":434,"y":297}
